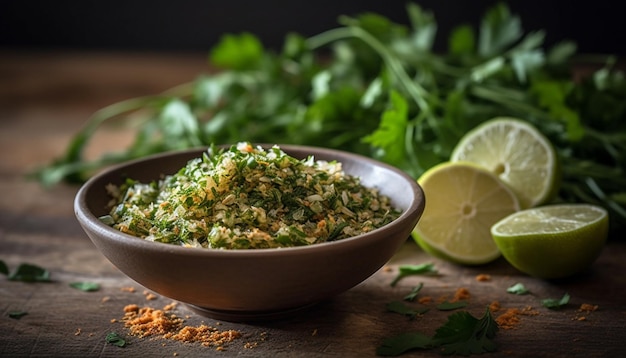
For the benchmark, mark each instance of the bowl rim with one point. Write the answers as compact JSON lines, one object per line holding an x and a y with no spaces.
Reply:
{"x":87,"y":218}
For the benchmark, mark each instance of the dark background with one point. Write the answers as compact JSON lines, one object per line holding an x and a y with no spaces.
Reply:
{"x":195,"y":25}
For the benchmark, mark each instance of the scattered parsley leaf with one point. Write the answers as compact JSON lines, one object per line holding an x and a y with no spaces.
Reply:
{"x":518,"y":289}
{"x":30,"y":273}
{"x":85,"y":286}
{"x":405,"y":342}
{"x":553,"y":303}
{"x":409,"y":270}
{"x":449,"y":306}
{"x":4,"y":269}
{"x":413,"y":294}
{"x":464,"y":334}
{"x":401,"y":308}
{"x":114,"y":339}
{"x":17,"y":314}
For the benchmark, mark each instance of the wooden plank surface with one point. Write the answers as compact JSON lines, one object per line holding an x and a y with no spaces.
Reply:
{"x":44,"y":100}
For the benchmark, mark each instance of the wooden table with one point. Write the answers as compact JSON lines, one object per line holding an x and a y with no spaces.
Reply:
{"x":44,"y":100}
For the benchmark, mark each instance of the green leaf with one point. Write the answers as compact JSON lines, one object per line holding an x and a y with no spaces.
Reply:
{"x":4,"y":269}
{"x":402,"y":343}
{"x":403,"y":309}
{"x":30,"y":273}
{"x":552,"y":303}
{"x":114,"y":339}
{"x":518,"y":289}
{"x":414,"y":291}
{"x":464,"y":334}
{"x":85,"y":286}
{"x":499,"y":29}
{"x":390,"y":135}
{"x":180,"y":125}
{"x":450,"y":306}
{"x":237,"y":52}
{"x":17,"y":314}
{"x":410,"y":270}
{"x":462,"y":41}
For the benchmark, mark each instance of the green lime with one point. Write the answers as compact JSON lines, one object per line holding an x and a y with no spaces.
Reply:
{"x":463,"y":201}
{"x":518,"y":153}
{"x":553,"y":241}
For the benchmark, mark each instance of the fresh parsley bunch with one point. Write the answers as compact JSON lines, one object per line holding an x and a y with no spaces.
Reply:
{"x":378,"y":88}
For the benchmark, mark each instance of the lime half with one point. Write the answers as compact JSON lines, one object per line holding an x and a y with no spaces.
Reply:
{"x":518,"y":153}
{"x":463,"y":201}
{"x":552,"y":241}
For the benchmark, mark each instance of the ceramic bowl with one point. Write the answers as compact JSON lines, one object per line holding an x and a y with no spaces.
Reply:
{"x":239,"y":285}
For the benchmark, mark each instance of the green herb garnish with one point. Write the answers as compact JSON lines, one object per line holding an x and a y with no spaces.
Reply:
{"x":4,"y":269}
{"x":414,"y":291}
{"x":553,"y":303}
{"x":17,"y":314}
{"x":403,"y":309}
{"x":85,"y":286}
{"x":411,"y":270}
{"x":30,"y":273}
{"x":378,"y":88}
{"x":462,"y":334}
{"x":114,"y":339}
{"x":450,"y":306}
{"x":518,"y":289}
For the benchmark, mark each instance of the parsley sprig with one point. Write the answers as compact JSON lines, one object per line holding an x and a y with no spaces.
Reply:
{"x":378,"y":88}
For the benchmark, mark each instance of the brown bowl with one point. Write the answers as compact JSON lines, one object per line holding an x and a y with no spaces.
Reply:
{"x":240,"y":285}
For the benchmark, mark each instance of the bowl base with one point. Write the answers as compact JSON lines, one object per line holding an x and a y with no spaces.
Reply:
{"x":250,"y":316}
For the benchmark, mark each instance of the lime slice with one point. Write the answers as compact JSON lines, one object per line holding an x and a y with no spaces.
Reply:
{"x":463,"y":201}
{"x":552,"y":241}
{"x":518,"y":153}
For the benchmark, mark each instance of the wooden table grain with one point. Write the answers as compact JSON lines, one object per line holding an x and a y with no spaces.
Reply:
{"x":46,"y":97}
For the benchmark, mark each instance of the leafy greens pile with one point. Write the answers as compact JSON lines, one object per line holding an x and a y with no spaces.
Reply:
{"x":378,"y":88}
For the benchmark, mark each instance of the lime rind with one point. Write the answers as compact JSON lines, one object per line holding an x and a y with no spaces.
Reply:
{"x":530,"y":169}
{"x":554,"y":241}
{"x":463,"y":201}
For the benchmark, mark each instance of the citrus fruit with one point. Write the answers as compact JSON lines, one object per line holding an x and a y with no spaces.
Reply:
{"x":518,"y":153}
{"x":552,"y":241}
{"x":463,"y":201}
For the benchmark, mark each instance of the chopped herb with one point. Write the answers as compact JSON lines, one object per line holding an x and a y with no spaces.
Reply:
{"x":30,"y":273}
{"x":17,"y":314}
{"x":85,"y":286}
{"x":403,"y":309}
{"x":114,"y":339}
{"x":518,"y":289}
{"x":449,"y":306}
{"x":4,"y":269}
{"x":247,"y":197}
{"x":552,"y":303}
{"x":413,"y":294}
{"x":462,"y":334}
{"x":409,"y":270}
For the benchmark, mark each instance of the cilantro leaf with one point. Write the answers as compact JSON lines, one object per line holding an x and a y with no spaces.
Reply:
{"x":413,"y":294}
{"x":30,"y":273}
{"x":237,"y":52}
{"x":464,"y":334}
{"x":402,"y":343}
{"x":401,"y":308}
{"x":85,"y":286}
{"x":409,"y":270}
{"x":553,"y":303}
{"x":390,"y":135}
{"x":518,"y":289}
{"x":17,"y":314}
{"x":4,"y":269}
{"x":114,"y":339}
{"x":449,"y":306}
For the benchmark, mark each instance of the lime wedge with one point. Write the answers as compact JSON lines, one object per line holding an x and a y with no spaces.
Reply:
{"x":518,"y":153}
{"x":463,"y":201}
{"x":553,"y":241}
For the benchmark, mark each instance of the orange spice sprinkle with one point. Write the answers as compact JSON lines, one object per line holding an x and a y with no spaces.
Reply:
{"x":483,"y":277}
{"x":128,"y":289}
{"x":461,"y":294}
{"x":495,"y":306}
{"x":425,"y":300}
{"x":147,"y":321}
